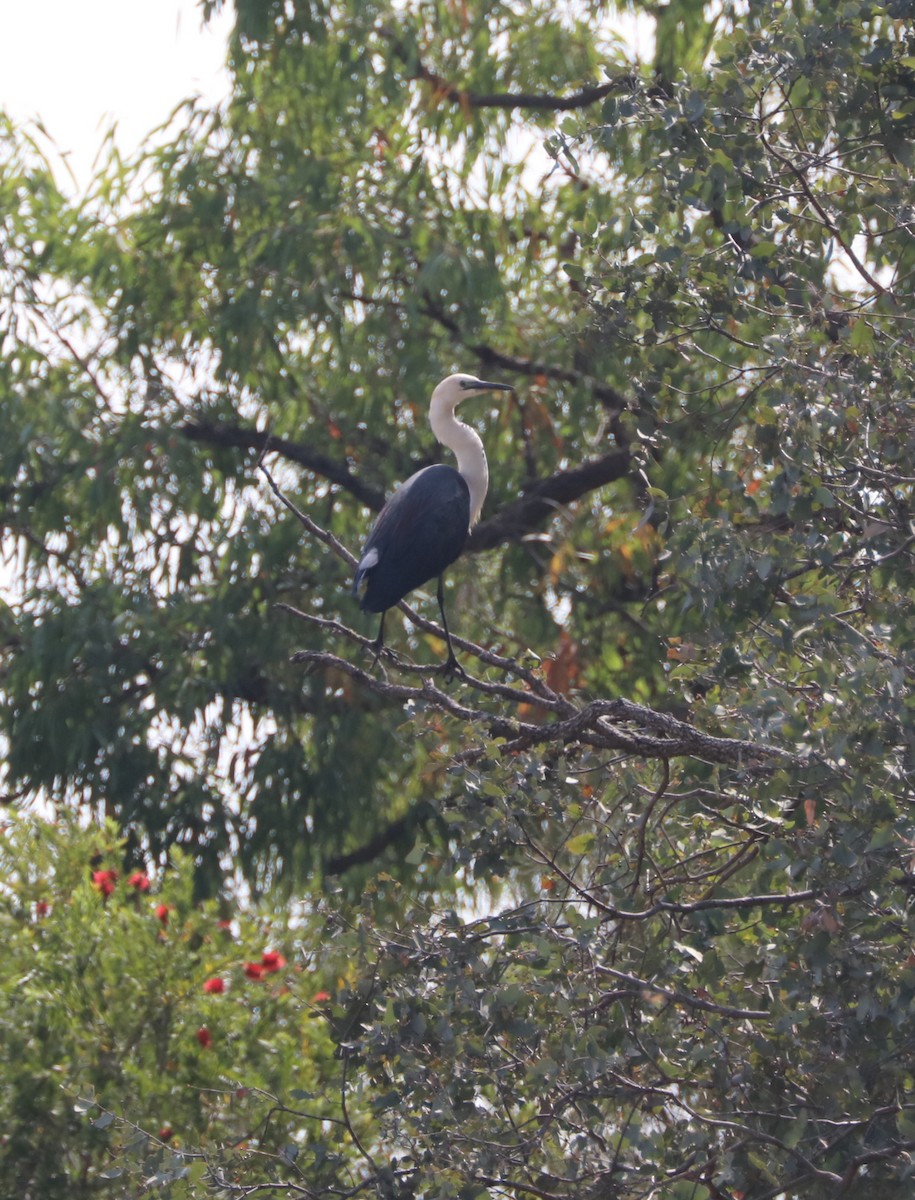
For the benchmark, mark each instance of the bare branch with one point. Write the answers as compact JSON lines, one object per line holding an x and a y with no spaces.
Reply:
{"x":824,"y":216}
{"x":311,"y":526}
{"x":643,"y":823}
{"x":491,"y":356}
{"x":589,"y":725}
{"x":603,"y":724}
{"x":538,"y":687}
{"x":339,"y":864}
{"x":539,"y":695}
{"x":645,"y":985}
{"x":513,"y":522}
{"x":618,"y":724}
{"x":346,"y":1118}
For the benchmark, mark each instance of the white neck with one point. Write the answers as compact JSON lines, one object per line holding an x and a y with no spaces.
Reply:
{"x":468,"y":449}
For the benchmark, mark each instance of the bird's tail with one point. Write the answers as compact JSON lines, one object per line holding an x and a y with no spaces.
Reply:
{"x":360,"y":579}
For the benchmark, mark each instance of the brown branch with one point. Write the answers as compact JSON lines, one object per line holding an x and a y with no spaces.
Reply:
{"x":240,"y":437}
{"x":493,"y":357}
{"x":541,"y":500}
{"x":339,"y":864}
{"x":824,"y":216}
{"x":346,"y":1117}
{"x":540,"y":101}
{"x":510,"y":524}
{"x":590,"y":725}
{"x":490,"y":356}
{"x":643,"y":822}
{"x":427,"y":694}
{"x":678,"y":997}
{"x":539,"y":694}
{"x":678,"y":908}
{"x":539,"y":689}
{"x":307,"y":523}
{"x":604,"y":724}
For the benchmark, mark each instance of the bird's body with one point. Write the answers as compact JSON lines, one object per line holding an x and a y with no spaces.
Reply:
{"x":411,"y":552}
{"x":423,"y":527}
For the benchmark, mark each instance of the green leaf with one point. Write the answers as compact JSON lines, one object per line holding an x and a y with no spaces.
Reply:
{"x":582,"y":843}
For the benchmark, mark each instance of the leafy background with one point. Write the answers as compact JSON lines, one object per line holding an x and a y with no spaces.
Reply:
{"x":570,"y":939}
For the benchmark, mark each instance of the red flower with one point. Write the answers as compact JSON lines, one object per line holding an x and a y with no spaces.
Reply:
{"x":272,"y":960}
{"x":320,"y":996}
{"x":42,"y":908}
{"x":204,"y":1037}
{"x":166,"y":1133}
{"x":255,"y":970}
{"x":140,"y":881}
{"x":215,"y":985}
{"x":105,"y":881}
{"x":162,"y":911}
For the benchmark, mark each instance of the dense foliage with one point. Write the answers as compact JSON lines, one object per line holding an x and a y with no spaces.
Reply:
{"x":122,"y":998}
{"x":626,"y":912}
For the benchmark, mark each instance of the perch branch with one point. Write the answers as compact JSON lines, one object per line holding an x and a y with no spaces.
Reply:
{"x":590,"y":725}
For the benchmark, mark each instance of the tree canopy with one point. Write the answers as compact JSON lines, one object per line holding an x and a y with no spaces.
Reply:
{"x":626,"y":912}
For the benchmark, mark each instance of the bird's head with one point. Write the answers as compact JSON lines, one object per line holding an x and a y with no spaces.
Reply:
{"x":451,"y":391}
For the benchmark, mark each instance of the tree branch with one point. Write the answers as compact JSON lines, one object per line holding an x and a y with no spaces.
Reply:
{"x":824,"y":216}
{"x":339,"y":864}
{"x":539,"y":101}
{"x":493,"y":357}
{"x":543,"y":498}
{"x":237,"y":436}
{"x":540,"y":691}
{"x":540,"y":694}
{"x":590,"y":725}
{"x":642,"y":986}
{"x":510,"y":524}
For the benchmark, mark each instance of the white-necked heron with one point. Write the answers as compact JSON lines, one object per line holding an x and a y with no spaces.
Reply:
{"x":423,"y":527}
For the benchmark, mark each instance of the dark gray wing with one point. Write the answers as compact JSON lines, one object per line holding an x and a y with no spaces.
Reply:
{"x":419,"y":532}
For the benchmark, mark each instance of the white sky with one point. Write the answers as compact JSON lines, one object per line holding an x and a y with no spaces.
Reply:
{"x":82,"y":65}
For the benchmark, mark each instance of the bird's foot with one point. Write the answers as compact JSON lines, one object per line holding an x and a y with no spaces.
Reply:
{"x":451,"y":668}
{"x":381,"y":652}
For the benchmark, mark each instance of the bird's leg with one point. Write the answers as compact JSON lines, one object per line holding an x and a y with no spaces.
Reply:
{"x":381,"y":651}
{"x":378,"y":644}
{"x":451,"y":666}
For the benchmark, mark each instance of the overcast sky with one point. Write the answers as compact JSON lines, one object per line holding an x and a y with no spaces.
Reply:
{"x":80,"y":65}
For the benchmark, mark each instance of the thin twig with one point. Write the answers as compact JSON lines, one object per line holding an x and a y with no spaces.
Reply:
{"x":645,"y":818}
{"x":348,"y":1123}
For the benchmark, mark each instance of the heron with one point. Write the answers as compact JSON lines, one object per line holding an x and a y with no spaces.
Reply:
{"x":423,"y":527}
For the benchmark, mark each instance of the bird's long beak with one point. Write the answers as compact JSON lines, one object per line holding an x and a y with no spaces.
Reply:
{"x":481,"y":385}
